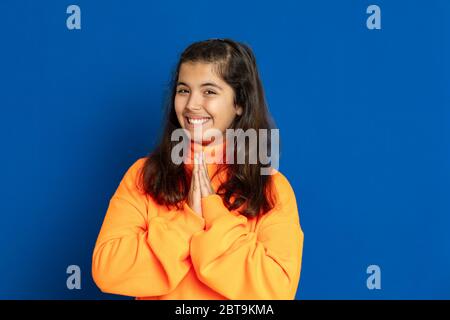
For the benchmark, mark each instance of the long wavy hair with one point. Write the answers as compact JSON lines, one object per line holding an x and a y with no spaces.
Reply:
{"x":168,"y":183}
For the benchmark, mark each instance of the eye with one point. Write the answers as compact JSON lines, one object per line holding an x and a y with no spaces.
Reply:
{"x":210,"y":92}
{"x":181,"y":90}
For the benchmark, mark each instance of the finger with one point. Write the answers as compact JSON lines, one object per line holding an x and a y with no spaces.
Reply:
{"x":206,"y":178}
{"x":200,"y":180}
{"x":204,"y":168}
{"x":192,"y":188}
{"x":197,"y":195}
{"x":204,"y":162}
{"x":199,"y":158}
{"x":192,"y":178}
{"x":209,"y":184}
{"x":205,"y":184}
{"x":196,"y":176}
{"x":198,"y":192}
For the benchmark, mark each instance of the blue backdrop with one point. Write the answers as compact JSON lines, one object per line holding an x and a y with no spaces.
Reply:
{"x":363,"y":115}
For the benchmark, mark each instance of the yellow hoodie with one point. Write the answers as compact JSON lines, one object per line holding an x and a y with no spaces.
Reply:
{"x":146,"y":251}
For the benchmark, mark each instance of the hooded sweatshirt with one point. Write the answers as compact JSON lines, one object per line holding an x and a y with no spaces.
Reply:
{"x":148,"y":251}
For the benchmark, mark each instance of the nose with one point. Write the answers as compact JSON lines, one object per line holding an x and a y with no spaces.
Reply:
{"x":195,"y":102}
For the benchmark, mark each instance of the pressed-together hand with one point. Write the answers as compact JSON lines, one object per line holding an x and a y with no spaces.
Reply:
{"x":200,"y":184}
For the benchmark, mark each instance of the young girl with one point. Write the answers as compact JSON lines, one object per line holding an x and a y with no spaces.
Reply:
{"x":204,"y":229}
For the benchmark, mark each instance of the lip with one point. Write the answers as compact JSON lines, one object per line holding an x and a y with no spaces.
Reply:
{"x":191,"y":125}
{"x":192,"y":116}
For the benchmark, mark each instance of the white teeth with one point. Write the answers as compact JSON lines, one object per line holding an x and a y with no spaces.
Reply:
{"x":197,"y":121}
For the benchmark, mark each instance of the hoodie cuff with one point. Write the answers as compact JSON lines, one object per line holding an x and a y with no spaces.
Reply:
{"x":213,"y":208}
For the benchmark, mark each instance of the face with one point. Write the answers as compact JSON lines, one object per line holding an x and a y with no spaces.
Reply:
{"x":203,"y":100}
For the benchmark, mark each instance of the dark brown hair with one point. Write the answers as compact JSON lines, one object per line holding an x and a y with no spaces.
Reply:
{"x":169,"y":183}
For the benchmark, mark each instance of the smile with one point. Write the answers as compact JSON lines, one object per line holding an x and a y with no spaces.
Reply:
{"x":197,"y":120}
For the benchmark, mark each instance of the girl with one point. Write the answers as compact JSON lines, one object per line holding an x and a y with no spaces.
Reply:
{"x":204,"y":229}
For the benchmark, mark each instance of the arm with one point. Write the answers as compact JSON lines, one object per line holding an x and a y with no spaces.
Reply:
{"x":244,"y":265}
{"x":138,"y":254}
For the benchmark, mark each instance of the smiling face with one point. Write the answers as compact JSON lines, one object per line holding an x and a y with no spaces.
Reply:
{"x":203,"y":100}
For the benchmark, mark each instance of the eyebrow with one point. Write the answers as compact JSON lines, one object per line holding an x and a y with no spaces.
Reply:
{"x":202,"y":85}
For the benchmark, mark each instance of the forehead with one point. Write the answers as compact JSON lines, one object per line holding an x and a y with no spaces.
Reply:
{"x":196,"y":72}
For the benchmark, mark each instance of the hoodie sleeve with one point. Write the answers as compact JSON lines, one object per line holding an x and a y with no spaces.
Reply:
{"x":243,"y":265}
{"x":137,"y":252}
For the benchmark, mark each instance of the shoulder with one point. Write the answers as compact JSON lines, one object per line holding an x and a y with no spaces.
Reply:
{"x":131,"y":178}
{"x":285,"y":206}
{"x":282,"y":186}
{"x":136,"y":166}
{"x":131,"y":191}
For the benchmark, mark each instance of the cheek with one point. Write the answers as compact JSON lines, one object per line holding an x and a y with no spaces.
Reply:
{"x":222,"y":119}
{"x":218,"y":109}
{"x":179,"y":107}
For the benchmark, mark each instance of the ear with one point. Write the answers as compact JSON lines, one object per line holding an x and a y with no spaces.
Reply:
{"x":239,"y":110}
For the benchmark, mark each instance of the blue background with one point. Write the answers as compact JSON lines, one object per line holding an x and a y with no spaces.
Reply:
{"x":363,"y":115}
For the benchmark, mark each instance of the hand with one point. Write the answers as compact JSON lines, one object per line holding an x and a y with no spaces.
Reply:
{"x":206,"y":188}
{"x":200,"y":184}
{"x":194,"y":195}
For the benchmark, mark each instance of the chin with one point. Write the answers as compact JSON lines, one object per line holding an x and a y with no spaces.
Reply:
{"x":203,"y":142}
